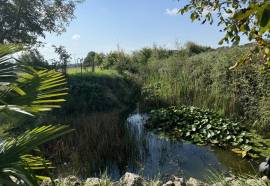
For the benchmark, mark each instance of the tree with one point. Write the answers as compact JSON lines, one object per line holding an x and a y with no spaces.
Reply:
{"x":99,"y":59}
{"x":90,"y":60}
{"x":31,"y":91}
{"x":143,"y":55}
{"x":34,"y":59}
{"x":110,"y":60}
{"x":247,"y":17}
{"x":64,"y":58}
{"x":23,"y":21}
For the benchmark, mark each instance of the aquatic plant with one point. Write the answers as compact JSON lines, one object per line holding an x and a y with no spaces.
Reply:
{"x":202,"y":126}
{"x":197,"y":125}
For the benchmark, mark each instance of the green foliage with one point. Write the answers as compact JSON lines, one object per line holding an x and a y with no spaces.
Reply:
{"x":193,"y":48}
{"x":247,"y":17}
{"x":205,"y":127}
{"x":132,"y":63}
{"x":16,"y":164}
{"x":143,"y":55}
{"x":25,"y":20}
{"x":205,"y":81}
{"x":99,"y":91}
{"x":93,"y":59}
{"x":120,"y":61}
{"x":38,"y":90}
{"x":64,"y":58}
{"x":197,"y":125}
{"x":34,"y":59}
{"x":18,"y":167}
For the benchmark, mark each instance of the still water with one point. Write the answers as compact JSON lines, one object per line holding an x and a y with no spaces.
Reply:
{"x":111,"y":144}
{"x":166,"y":157}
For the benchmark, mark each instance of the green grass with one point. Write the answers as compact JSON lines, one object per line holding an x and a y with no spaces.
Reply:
{"x":88,"y":70}
{"x":99,"y":139}
{"x":204,"y":80}
{"x":242,"y":180}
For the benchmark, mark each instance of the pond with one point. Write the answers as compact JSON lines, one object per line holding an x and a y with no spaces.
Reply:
{"x":113,"y":143}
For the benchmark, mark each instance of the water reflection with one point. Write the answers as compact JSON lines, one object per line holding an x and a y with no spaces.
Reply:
{"x":109,"y":142}
{"x":165,"y":157}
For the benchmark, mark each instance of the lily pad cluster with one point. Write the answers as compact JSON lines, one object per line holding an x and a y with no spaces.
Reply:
{"x":198,"y":126}
{"x":204,"y":127}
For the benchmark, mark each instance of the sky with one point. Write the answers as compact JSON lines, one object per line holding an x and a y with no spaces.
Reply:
{"x":103,"y":25}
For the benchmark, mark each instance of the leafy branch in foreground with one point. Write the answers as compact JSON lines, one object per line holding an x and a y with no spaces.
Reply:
{"x":15,"y":162}
{"x":26,"y":90}
{"x":245,"y":17}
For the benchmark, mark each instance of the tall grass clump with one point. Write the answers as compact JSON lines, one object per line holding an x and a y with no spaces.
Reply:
{"x":99,"y":142}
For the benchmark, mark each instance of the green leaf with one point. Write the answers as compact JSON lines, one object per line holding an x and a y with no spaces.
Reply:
{"x":14,"y":157}
{"x":265,"y":18}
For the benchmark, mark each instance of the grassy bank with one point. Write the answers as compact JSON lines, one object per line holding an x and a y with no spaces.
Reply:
{"x":96,"y":107}
{"x":103,"y":90}
{"x":204,"y":80}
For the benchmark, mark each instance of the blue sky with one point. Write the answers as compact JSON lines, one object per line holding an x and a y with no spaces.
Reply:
{"x":101,"y":25}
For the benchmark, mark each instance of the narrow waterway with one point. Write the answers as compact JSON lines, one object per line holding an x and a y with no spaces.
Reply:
{"x":113,"y":143}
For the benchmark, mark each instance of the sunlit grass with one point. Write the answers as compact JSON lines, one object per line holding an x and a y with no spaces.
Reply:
{"x":88,"y":71}
{"x":243,"y":180}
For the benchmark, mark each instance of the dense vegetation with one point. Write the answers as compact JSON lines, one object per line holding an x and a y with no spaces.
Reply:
{"x":195,"y":77}
{"x":25,"y":90}
{"x":101,"y":91}
{"x":212,"y":80}
{"x":204,"y":127}
{"x":236,"y":18}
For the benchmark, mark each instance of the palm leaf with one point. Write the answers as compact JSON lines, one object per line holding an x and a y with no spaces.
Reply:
{"x":26,"y":90}
{"x":44,"y":89}
{"x":38,"y":90}
{"x":15,"y":160}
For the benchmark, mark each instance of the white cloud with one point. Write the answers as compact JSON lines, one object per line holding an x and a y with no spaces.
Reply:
{"x":76,"y":37}
{"x":171,"y":12}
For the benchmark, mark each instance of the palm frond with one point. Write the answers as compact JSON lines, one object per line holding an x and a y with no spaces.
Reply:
{"x":15,"y":160}
{"x":7,"y":69}
{"x":44,"y":89}
{"x":38,"y":90}
{"x":26,"y":90}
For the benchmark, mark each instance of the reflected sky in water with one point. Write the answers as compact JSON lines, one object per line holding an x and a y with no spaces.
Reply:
{"x":164,"y":157}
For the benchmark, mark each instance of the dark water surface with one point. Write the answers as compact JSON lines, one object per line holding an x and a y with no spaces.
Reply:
{"x":166,"y":157}
{"x":107,"y":142}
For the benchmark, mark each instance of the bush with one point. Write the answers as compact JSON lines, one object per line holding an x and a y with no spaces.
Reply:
{"x":92,"y":92}
{"x":193,"y":48}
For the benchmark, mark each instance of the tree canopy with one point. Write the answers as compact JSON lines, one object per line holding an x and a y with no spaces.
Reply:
{"x":64,"y":58}
{"x":23,"y":21}
{"x":236,"y":17}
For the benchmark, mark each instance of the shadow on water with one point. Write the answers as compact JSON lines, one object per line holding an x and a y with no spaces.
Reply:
{"x":110,"y":142}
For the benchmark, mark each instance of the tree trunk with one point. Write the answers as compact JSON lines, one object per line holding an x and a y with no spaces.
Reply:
{"x":93,"y":66}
